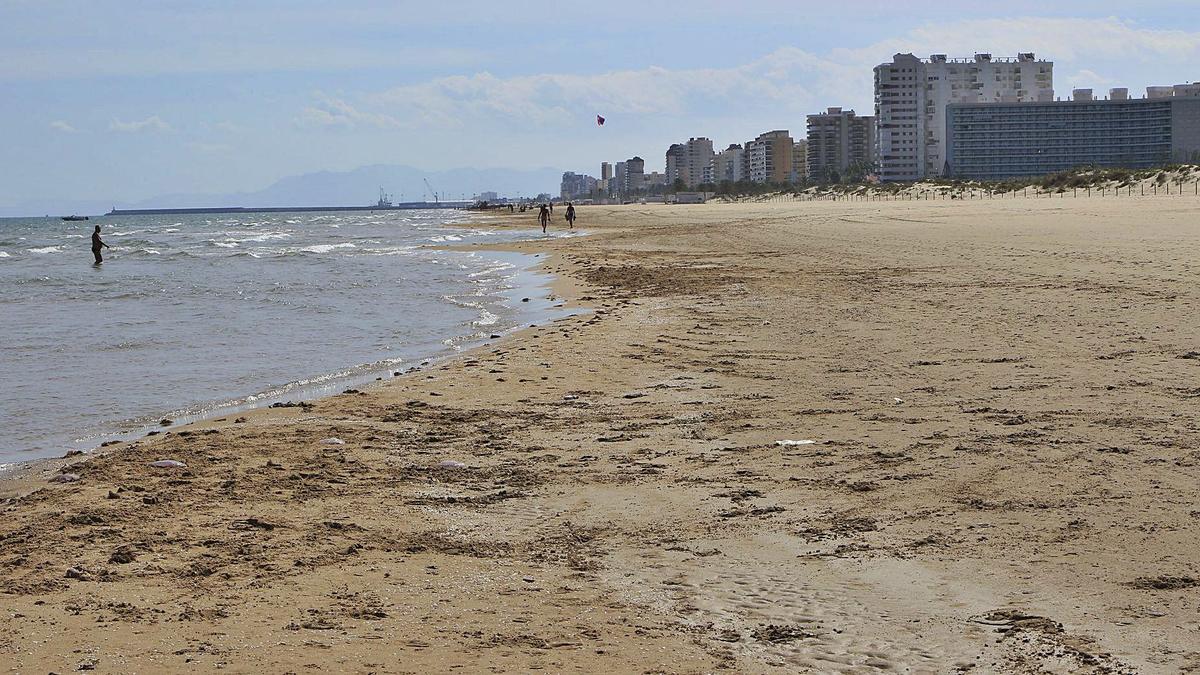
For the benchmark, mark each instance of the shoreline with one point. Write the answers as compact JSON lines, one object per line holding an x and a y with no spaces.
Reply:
{"x":755,"y":454}
{"x":522,"y":299}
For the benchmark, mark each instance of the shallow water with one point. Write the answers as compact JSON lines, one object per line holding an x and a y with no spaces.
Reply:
{"x":192,"y":316}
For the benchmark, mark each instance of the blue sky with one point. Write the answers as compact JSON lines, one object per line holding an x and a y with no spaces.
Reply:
{"x":128,"y":100}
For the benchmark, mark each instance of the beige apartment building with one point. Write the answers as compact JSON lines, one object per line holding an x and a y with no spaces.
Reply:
{"x":839,"y":141}
{"x":799,"y":161}
{"x":690,"y":162}
{"x":770,"y":157}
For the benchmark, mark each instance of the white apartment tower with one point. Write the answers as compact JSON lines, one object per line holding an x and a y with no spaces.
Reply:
{"x":617,"y":185}
{"x":911,"y":97}
{"x":727,"y":165}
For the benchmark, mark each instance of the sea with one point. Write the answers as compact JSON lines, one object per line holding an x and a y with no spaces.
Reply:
{"x":201,"y":316}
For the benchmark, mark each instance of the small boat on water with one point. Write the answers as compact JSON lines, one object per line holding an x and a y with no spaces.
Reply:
{"x":74,"y":218}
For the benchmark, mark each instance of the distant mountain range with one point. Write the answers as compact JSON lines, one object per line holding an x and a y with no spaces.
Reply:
{"x":358,"y":187}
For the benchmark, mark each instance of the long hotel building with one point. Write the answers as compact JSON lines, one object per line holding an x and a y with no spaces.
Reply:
{"x":990,"y":141}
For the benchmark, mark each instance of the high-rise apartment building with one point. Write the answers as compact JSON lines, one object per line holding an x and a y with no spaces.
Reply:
{"x":799,"y":161}
{"x":770,"y":157}
{"x":727,"y":164}
{"x":690,"y":162}
{"x":576,"y":186}
{"x":676,"y":161}
{"x":911,"y":96}
{"x":617,"y":185}
{"x":605,"y":171}
{"x":839,"y":141}
{"x":635,"y":170}
{"x":654,"y":180}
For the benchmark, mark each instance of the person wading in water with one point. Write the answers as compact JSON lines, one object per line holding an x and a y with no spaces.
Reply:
{"x":97,"y":244}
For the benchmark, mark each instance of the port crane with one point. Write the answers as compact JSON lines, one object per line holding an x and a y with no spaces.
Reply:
{"x":385,"y":200}
{"x":435,"y":195}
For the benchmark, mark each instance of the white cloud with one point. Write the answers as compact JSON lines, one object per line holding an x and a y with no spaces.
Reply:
{"x":334,"y":112}
{"x":59,"y":125}
{"x":1085,"y":79}
{"x":151,"y":123}
{"x":786,"y":82}
{"x":210,"y":148}
{"x":1058,"y":39}
{"x":783,"y":80}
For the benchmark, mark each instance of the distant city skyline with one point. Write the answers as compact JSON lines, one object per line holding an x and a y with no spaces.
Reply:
{"x":105,"y":100}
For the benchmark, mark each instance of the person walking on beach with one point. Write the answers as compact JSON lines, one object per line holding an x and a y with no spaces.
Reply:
{"x":97,"y":244}
{"x":571,"y":215}
{"x":551,"y":207}
{"x":544,"y":218}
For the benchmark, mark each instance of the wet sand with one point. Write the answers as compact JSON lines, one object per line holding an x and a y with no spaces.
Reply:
{"x":1001,"y":398}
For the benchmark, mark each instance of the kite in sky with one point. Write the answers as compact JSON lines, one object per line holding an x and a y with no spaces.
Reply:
{"x":599,"y":121}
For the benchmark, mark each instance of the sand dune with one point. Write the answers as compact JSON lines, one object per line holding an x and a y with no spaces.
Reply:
{"x":1001,"y":394}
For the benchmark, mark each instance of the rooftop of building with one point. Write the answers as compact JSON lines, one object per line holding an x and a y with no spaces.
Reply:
{"x":1115,"y":95}
{"x":981,"y":57}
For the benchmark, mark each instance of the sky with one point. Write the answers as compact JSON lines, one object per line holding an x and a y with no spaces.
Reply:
{"x":127,"y":100}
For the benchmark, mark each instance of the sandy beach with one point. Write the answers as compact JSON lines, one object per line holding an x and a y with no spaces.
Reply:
{"x":947,"y":436}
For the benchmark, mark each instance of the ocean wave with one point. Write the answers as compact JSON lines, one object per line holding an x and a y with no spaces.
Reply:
{"x":499,"y":267}
{"x":445,"y":237}
{"x":390,"y":250}
{"x":225,"y":244}
{"x":486,"y":318}
{"x":46,"y":249}
{"x":241,"y":235}
{"x":325,"y":248}
{"x":266,"y":236}
{"x":4,"y":254}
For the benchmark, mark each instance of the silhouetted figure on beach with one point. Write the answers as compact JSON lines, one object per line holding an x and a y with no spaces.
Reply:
{"x":510,"y":208}
{"x":551,"y":207}
{"x":97,"y":244}
{"x":544,"y":218}
{"x":571,"y":215}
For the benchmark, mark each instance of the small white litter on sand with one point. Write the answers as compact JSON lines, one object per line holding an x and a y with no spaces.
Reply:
{"x":451,"y":464}
{"x":333,"y":441}
{"x":168,"y":464}
{"x":791,"y":442}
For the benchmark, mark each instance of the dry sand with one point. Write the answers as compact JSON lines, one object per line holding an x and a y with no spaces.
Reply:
{"x":1002,"y":397}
